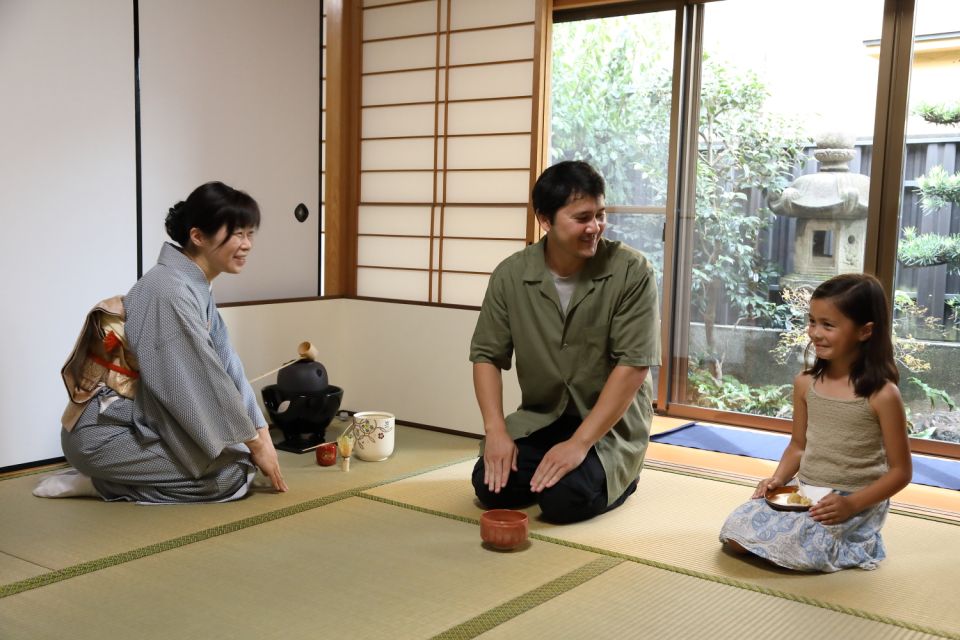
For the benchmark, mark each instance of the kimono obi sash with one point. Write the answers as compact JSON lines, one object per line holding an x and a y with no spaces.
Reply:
{"x":99,"y":358}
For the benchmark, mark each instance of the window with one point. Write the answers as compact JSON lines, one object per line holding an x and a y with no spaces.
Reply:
{"x":611,"y":96}
{"x":927,"y":301}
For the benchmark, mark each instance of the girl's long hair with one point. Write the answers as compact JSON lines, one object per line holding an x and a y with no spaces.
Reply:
{"x":861,"y":298}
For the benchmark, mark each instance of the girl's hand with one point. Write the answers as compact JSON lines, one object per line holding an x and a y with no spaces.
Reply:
{"x":765,"y":485}
{"x":833,"y":508}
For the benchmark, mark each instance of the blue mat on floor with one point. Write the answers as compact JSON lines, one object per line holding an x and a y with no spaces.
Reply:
{"x":935,"y":472}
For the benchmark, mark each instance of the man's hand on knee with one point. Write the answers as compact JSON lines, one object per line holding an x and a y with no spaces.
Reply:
{"x":499,"y":458}
{"x":560,"y":460}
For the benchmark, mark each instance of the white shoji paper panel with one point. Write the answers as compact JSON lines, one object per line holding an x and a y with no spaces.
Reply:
{"x":413,"y":153}
{"x":477,"y":255}
{"x":463,"y":288}
{"x":323,"y":156}
{"x":400,"y":20}
{"x":393,"y":252}
{"x":435,"y":262}
{"x":512,"y":43}
{"x":489,"y":152}
{"x":488,"y":186}
{"x":491,"y":81}
{"x":435,"y":278}
{"x":412,"y":120}
{"x":388,"y":283}
{"x":408,"y":53}
{"x":494,"y":116}
{"x":483,"y":222}
{"x":467,"y":14}
{"x":414,"y":221}
{"x":401,"y":87}
{"x":376,"y":3}
{"x":409,"y":186}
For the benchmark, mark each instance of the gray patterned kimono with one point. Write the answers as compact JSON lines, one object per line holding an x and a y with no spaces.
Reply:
{"x":181,"y":439}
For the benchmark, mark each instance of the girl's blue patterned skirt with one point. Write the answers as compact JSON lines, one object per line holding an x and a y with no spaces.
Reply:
{"x":794,"y":540}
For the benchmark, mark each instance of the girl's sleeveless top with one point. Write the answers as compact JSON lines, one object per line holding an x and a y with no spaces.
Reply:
{"x":844,"y":443}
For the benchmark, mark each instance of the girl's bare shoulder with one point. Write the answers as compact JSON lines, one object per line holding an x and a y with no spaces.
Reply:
{"x":888,"y":395}
{"x":802,"y":383}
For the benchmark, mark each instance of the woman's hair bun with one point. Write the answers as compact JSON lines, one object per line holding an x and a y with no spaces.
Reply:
{"x":178,"y":227}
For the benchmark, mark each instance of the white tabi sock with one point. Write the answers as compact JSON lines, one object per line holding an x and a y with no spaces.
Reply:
{"x":67,"y":484}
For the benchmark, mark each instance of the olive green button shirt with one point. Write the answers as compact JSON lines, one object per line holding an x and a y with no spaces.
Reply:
{"x":613,"y":319}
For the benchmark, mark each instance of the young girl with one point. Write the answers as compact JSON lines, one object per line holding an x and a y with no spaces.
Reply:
{"x":849,"y":435}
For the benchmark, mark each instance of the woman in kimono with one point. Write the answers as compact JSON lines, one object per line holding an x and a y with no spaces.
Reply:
{"x":193,"y":432}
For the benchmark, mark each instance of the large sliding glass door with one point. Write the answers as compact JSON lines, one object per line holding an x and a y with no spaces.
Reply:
{"x":738,"y":140}
{"x":783,"y":149}
{"x":927,"y":300}
{"x":611,"y":100}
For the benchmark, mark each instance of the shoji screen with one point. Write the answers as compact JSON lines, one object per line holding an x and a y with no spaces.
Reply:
{"x":446,"y":145}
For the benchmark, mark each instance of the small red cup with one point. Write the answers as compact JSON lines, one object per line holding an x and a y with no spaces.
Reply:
{"x":327,"y":454}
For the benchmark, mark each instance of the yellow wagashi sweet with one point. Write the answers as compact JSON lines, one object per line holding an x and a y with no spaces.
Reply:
{"x":796,"y":498}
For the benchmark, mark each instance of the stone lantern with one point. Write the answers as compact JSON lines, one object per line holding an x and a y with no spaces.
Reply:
{"x":831,"y":211}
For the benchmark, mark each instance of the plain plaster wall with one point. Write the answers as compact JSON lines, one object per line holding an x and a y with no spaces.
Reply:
{"x":410,"y":360}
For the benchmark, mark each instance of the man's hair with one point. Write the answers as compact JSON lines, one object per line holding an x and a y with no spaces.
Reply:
{"x":562,"y":183}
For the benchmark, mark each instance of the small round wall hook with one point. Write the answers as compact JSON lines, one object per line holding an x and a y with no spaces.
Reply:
{"x":301,"y":212}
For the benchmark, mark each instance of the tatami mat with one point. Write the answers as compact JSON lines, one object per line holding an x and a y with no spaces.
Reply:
{"x":392,"y":550}
{"x":13,"y":568}
{"x":54,"y":534}
{"x":674,"y":519}
{"x":352,"y":569}
{"x":636,"y":601}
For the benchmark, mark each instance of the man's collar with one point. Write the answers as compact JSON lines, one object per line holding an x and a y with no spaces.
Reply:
{"x":596,"y":268}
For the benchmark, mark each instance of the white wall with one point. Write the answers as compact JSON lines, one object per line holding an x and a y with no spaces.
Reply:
{"x":67,"y":198}
{"x":410,"y":360}
{"x":230,"y":91}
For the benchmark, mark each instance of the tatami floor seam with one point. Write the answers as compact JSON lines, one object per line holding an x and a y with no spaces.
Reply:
{"x":24,"y":560}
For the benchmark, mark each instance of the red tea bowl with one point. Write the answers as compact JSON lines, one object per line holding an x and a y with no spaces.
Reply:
{"x":504,"y":529}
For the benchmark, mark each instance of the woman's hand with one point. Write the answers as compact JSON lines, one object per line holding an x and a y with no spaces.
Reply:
{"x":833,"y":508}
{"x":499,"y":458}
{"x":561,"y":459}
{"x":765,"y":485}
{"x":264,"y":455}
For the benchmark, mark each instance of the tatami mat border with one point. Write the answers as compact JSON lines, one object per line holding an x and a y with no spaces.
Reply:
{"x":524,"y":602}
{"x":83,"y":568}
{"x":687,"y":572}
{"x":10,"y":475}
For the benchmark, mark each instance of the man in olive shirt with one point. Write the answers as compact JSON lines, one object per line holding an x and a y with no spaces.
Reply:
{"x":580,"y":313}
